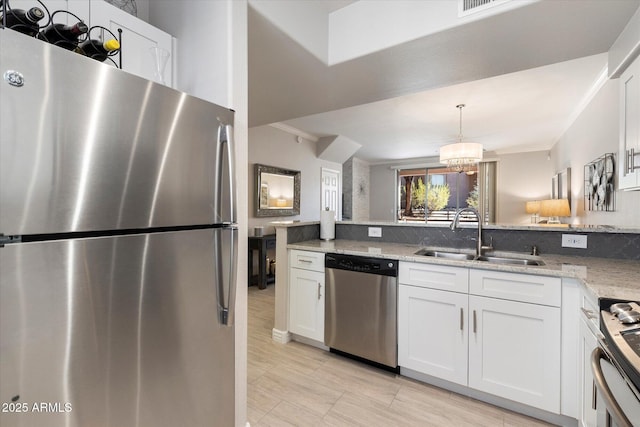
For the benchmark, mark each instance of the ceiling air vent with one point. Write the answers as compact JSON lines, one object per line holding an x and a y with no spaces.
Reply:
{"x":466,"y":7}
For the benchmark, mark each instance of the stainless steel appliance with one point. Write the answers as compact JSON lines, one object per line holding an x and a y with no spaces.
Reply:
{"x":118,"y":247}
{"x":616,"y":364}
{"x":360,"y":307}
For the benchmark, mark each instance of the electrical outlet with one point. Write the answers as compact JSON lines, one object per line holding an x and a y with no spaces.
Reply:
{"x":375,"y":231}
{"x":574,"y":241}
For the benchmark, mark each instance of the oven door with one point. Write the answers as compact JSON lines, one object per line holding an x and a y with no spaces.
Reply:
{"x":617,"y":404}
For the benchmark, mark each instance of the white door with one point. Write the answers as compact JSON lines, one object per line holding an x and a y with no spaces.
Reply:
{"x":331,"y":190}
{"x":514,"y":351}
{"x":432,"y":332}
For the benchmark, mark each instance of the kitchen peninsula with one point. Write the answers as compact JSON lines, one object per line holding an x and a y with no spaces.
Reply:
{"x":610,"y":268}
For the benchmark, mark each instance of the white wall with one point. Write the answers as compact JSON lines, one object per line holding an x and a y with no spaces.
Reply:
{"x":594,"y":133}
{"x":203,"y":33}
{"x":521,"y":177}
{"x":213,"y":65}
{"x":365,"y":27}
{"x":307,"y":22}
{"x":273,"y":147}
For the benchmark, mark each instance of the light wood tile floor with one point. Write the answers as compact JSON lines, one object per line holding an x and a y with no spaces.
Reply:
{"x":298,"y":385}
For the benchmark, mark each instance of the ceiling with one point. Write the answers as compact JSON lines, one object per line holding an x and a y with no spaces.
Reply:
{"x":523,"y":76}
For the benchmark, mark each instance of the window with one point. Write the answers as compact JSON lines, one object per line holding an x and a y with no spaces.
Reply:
{"x":436,"y":194}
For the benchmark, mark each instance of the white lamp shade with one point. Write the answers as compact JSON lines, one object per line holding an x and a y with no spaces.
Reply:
{"x":467,"y":152}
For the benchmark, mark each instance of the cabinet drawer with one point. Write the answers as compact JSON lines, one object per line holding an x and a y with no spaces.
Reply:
{"x":516,"y":287}
{"x":306,"y":260}
{"x":434,"y":276}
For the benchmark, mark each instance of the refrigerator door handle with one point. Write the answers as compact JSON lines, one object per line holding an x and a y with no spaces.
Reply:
{"x":225,"y":256}
{"x":226,"y":163}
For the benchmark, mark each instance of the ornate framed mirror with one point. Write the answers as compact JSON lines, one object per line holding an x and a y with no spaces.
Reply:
{"x":277,"y":191}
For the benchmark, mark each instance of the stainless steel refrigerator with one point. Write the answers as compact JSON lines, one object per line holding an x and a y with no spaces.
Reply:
{"x":118,"y":246}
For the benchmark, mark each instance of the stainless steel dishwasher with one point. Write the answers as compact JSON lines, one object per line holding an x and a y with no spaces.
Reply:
{"x":360,"y":307}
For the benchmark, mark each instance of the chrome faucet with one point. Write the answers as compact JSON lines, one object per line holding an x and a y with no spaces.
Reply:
{"x":479,"y":246}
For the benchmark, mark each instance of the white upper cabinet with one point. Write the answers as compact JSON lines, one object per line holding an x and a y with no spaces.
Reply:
{"x":138,"y":40}
{"x":629,"y":157}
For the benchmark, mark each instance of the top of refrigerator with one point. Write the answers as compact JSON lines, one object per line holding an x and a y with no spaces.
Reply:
{"x":88,"y":147}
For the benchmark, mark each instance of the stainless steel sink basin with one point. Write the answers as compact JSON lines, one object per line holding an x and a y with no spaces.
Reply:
{"x":446,"y":255}
{"x":485,"y":258}
{"x":511,"y":261}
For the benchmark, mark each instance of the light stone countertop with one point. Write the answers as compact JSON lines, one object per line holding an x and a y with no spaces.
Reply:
{"x":577,"y":228}
{"x":608,"y":278}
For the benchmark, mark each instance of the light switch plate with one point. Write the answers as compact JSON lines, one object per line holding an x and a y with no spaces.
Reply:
{"x":375,"y":231}
{"x":574,"y":241}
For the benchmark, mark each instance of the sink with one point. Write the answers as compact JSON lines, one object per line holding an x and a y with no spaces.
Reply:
{"x":445,"y":254}
{"x":469,"y":257}
{"x":511,"y":261}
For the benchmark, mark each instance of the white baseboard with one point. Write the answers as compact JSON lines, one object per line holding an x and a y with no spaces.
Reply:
{"x":282,"y":337}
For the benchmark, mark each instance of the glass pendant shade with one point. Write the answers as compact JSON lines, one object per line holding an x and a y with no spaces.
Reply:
{"x":461,"y":156}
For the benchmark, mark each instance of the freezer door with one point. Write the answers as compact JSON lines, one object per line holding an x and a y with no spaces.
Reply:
{"x":85,"y":146}
{"x":111,"y":332}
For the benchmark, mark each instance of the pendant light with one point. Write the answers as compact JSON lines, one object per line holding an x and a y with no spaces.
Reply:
{"x":461,"y":156}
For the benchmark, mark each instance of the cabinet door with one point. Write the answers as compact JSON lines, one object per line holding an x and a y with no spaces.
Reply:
{"x":432,"y":332}
{"x":138,"y":38}
{"x":514,"y":351}
{"x":586,"y":386}
{"x":629,"y":178}
{"x":306,"y":303}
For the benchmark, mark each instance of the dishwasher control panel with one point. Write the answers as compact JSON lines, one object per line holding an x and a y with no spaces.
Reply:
{"x":380,"y":266}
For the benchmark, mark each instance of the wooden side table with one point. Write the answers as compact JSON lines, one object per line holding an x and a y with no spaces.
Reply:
{"x":261,"y":244}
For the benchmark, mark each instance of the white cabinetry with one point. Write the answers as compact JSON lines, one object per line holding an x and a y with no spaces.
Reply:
{"x":439,"y":351}
{"x":306,"y":294}
{"x":137,"y":37}
{"x":588,"y":326}
{"x":502,"y":336}
{"x":514,"y":346}
{"x":629,"y":157}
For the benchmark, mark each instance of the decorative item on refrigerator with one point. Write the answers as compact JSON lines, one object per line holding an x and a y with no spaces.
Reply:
{"x":327,"y":224}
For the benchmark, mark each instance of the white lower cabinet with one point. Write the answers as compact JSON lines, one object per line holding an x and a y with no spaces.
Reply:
{"x":438,"y":351}
{"x":589,"y":322}
{"x":306,"y":295}
{"x":514,"y":351}
{"x":501,"y":337}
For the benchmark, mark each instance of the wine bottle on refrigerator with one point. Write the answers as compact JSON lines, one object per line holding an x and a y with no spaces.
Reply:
{"x":97,"y":49}
{"x":65,"y":36}
{"x":23,"y":21}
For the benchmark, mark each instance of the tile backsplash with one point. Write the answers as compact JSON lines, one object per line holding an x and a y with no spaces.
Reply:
{"x":600,"y":244}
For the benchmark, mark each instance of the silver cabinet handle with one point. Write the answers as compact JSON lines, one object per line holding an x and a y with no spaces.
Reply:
{"x":305,"y":260}
{"x":461,"y":318}
{"x":594,"y":394}
{"x":613,"y":409}
{"x":475,"y":329}
{"x":319,"y":287}
{"x":630,"y":161}
{"x":588,"y":313}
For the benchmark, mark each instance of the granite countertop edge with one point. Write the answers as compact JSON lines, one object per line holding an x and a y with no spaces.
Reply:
{"x":605,"y":278}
